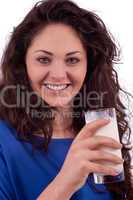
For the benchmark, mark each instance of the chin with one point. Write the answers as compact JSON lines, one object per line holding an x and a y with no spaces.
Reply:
{"x":56,"y":102}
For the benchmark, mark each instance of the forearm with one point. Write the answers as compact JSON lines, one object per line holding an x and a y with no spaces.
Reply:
{"x":57,"y":190}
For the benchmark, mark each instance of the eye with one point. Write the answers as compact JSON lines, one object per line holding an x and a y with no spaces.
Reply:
{"x":72,"y":60}
{"x":44,"y":60}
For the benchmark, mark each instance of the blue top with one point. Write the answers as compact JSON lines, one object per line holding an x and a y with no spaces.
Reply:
{"x":24,"y":175}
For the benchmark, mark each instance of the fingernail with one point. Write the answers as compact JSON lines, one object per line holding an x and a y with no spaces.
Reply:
{"x":121,"y":161}
{"x":119,"y":145}
{"x":115,"y":173}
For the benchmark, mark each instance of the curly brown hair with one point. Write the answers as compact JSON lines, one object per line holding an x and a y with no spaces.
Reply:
{"x":101,"y":77}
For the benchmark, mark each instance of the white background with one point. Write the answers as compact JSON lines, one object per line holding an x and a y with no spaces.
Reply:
{"x":117,"y":16}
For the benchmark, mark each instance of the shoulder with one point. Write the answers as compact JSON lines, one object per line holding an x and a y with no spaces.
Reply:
{"x":6,"y":130}
{"x":4,"y":125}
{"x":7,"y":134}
{"x":6,"y":188}
{"x":11,"y":146}
{"x":10,"y":142}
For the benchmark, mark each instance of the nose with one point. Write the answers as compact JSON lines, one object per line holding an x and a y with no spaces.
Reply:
{"x":58,"y":73}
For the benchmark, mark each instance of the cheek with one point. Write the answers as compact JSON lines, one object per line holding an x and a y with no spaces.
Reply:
{"x":35,"y":74}
{"x":80,"y":76}
{"x":32,"y":68}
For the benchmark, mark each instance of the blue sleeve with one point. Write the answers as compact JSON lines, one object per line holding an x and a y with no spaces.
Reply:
{"x":6,"y":192}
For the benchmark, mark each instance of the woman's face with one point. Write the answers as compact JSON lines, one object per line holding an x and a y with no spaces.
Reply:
{"x":56,"y":64}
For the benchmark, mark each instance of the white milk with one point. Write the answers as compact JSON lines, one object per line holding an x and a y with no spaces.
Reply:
{"x":109,"y":130}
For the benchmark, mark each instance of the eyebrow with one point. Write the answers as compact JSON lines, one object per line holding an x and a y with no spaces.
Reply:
{"x":51,"y":54}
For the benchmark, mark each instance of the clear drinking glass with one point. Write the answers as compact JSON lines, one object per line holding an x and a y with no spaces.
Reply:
{"x":109,"y":130}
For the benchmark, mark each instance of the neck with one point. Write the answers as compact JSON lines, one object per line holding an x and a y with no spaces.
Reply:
{"x":62,"y":124}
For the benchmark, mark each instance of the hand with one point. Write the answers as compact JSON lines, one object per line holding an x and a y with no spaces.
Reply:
{"x":84,"y":152}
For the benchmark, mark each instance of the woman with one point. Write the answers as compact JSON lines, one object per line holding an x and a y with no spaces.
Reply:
{"x":57,"y":56}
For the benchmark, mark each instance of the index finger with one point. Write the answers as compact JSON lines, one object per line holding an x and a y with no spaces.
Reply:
{"x":90,"y":128}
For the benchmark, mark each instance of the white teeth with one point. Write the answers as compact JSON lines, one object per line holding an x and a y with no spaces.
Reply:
{"x":56,"y":87}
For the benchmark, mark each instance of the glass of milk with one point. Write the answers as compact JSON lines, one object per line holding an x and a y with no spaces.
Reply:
{"x":109,"y":130}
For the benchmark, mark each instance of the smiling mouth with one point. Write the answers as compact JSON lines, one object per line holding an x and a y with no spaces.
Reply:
{"x":56,"y":87}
